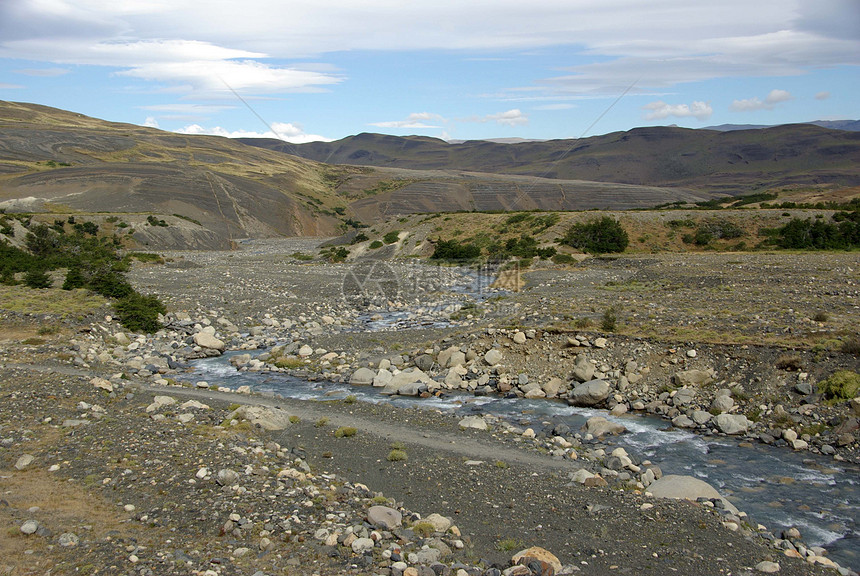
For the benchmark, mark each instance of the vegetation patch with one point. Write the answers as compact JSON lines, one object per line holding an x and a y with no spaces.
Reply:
{"x":599,"y":236}
{"x":842,"y":385}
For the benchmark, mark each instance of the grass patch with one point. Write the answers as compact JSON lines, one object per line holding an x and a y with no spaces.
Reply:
{"x":295,"y":419}
{"x":396,"y":456}
{"x":63,"y":303}
{"x":321,"y":422}
{"x":842,"y":385}
{"x":424,"y":529}
{"x":507,"y":544}
{"x":345,"y":432}
{"x":289,"y":362}
{"x":351,"y":399}
{"x":791,"y":362}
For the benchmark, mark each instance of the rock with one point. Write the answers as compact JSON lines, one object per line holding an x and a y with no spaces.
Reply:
{"x":24,"y":461}
{"x":305,"y":351}
{"x":789,"y":435}
{"x":425,"y":556}
{"x":206,"y":340}
{"x":536,"y":392}
{"x":598,"y":426}
{"x":855,"y":405}
{"x":439,"y":522}
{"x":476,"y":422}
{"x":362,"y":377}
{"x":687,"y":488}
{"x":701,"y":417}
{"x":68,"y":539}
{"x":537,"y":553}
{"x":803,"y":388}
{"x":683,"y":397}
{"x":693,"y":378}
{"x":362,"y":545}
{"x":722,"y":404}
{"x":692,"y":353}
{"x":382,"y":378}
{"x":767,"y":567}
{"x":102,"y":384}
{"x":227,"y":477}
{"x":29,"y":527}
{"x":159,"y":402}
{"x":384,"y":517}
{"x":583,"y":369}
{"x":682,"y":421}
{"x":519,"y":338}
{"x":581,"y":475}
{"x":493,"y":357}
{"x":266,"y":418}
{"x":600,"y":342}
{"x":589,"y":393}
{"x":732,"y":423}
{"x":552,"y":387}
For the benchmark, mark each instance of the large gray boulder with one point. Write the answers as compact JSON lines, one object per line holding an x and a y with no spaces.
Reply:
{"x":589,"y":393}
{"x":493,"y":357}
{"x":384,"y":517}
{"x":599,"y":426}
{"x":732,"y":423}
{"x":362,"y":377}
{"x":266,"y":418}
{"x":693,"y":378}
{"x":687,"y":488}
{"x":206,"y":340}
{"x":583,"y":369}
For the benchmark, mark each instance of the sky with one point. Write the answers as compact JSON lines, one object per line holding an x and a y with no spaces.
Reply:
{"x":304,"y":70}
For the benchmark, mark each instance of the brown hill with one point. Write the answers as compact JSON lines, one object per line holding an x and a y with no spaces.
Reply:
{"x":224,"y":190}
{"x":703,"y":161}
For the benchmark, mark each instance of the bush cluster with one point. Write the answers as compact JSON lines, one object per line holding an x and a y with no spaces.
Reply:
{"x":841,"y":233}
{"x":453,"y":250}
{"x":599,"y":236}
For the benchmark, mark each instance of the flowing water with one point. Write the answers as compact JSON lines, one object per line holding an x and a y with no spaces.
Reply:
{"x":773,"y":485}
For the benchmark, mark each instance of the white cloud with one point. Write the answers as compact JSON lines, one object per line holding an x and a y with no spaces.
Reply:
{"x":752,"y":104}
{"x":415,"y":120}
{"x":285,"y":131}
{"x":659,"y":110}
{"x":150,"y":122}
{"x":43,"y":72}
{"x":662,"y":43}
{"x":5,"y":86}
{"x":822,"y":95}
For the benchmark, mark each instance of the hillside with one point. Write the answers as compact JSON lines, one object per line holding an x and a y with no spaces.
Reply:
{"x":701,"y":161}
{"x":213,"y":190}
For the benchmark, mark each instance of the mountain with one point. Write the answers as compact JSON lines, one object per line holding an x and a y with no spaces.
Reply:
{"x":702,"y":161}
{"x":849,"y":125}
{"x":221,"y":190}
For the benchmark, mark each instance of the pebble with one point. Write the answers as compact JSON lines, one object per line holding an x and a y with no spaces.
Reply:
{"x":29,"y":527}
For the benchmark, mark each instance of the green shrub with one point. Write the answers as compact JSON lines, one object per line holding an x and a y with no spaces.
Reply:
{"x":391,"y":237}
{"x":110,"y":284}
{"x":453,"y":250}
{"x":345,"y":432}
{"x":564,"y":259}
{"x":396,"y":456}
{"x":74,"y":279}
{"x":37,"y":279}
{"x":610,"y":319}
{"x":424,"y":529}
{"x":376,"y":244}
{"x":842,"y":385}
{"x":603,"y":235}
{"x":139,"y":313}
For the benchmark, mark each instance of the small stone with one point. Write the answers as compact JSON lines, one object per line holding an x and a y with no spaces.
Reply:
{"x":24,"y":461}
{"x":202,"y":473}
{"x":767,"y":567}
{"x":493,"y":357}
{"x":537,"y":553}
{"x":29,"y":527}
{"x":384,"y":517}
{"x":692,"y":353}
{"x":476,"y":422}
{"x":68,"y":539}
{"x":519,"y":338}
{"x":362,"y":545}
{"x":129,"y":508}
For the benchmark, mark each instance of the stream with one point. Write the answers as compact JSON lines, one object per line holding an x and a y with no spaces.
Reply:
{"x":775,"y":486}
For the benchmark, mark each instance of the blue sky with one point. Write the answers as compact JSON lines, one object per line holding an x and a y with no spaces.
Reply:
{"x":305,"y":70}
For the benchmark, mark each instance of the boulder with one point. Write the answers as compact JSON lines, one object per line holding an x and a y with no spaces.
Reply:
{"x":687,"y":488}
{"x":266,"y":418}
{"x":598,"y":426}
{"x":519,"y":338}
{"x":440,"y":523}
{"x":722,"y":404}
{"x":206,"y":340}
{"x":384,"y":517}
{"x":493,"y":357}
{"x":552,"y":387}
{"x":536,"y":553}
{"x":476,"y":422}
{"x":589,"y":393}
{"x":693,"y":378}
{"x":583,"y":369}
{"x":732,"y":423}
{"x":362,"y":377}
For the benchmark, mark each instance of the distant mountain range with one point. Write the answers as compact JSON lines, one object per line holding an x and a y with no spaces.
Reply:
{"x":214,"y":191}
{"x":704,"y":161}
{"x":849,"y":125}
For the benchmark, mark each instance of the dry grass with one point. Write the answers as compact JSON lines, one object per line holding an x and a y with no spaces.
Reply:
{"x":50,"y":301}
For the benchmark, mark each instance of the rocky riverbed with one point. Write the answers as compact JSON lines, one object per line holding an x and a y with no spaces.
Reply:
{"x":174,"y":476}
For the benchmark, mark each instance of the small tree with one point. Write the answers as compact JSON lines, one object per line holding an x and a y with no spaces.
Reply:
{"x":139,"y":313}
{"x":74,"y":279}
{"x":598,"y":236}
{"x":38,"y":279}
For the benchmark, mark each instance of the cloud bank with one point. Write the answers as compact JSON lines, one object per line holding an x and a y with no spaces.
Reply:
{"x":769,"y":103}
